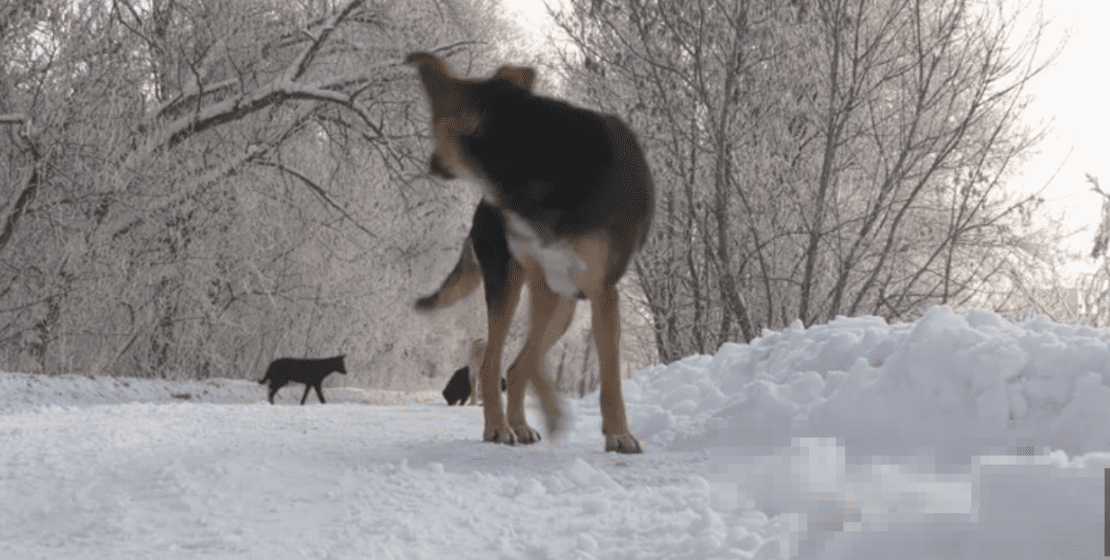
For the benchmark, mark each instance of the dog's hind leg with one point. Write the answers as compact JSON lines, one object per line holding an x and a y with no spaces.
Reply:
{"x":307,"y":388}
{"x":273,"y":391}
{"x":320,"y":393}
{"x":500,"y":317}
{"x":503,"y":278}
{"x":550,"y":316}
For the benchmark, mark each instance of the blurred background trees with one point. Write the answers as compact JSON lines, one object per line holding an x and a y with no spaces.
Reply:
{"x":1089,"y":300}
{"x":818,"y":158}
{"x":194,"y":187}
{"x":191,"y":188}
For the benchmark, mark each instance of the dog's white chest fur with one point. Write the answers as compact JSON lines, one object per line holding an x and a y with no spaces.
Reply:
{"x":557,"y":259}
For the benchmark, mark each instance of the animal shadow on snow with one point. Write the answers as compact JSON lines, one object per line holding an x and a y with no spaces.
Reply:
{"x":311,"y":372}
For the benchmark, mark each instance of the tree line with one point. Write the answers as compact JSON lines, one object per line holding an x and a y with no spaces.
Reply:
{"x":818,"y":158}
{"x":193,"y":187}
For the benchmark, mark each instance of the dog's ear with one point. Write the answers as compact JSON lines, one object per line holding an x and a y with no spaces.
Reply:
{"x":522,"y":77}
{"x":440,"y":83}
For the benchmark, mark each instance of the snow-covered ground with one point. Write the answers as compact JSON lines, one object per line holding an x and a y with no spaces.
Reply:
{"x":956,"y":436}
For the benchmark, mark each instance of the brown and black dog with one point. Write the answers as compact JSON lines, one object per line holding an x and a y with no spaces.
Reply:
{"x":567,"y":201}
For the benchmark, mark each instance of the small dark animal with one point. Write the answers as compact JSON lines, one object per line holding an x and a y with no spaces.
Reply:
{"x":465,"y":379}
{"x":311,"y":372}
{"x":458,"y":388}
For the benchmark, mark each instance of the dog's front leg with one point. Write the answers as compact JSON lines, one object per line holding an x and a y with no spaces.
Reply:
{"x":549,"y":317}
{"x":607,"y":335}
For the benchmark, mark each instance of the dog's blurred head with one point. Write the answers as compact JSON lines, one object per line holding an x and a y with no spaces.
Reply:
{"x":456,"y":112}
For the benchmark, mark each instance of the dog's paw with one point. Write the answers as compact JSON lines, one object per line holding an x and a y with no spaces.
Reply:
{"x":526,"y":434}
{"x":557,"y":421}
{"x":503,"y":435}
{"x":622,"y":443}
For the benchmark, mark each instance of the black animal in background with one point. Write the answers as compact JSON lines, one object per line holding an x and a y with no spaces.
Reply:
{"x":311,"y":372}
{"x":465,"y":382}
{"x":459,"y":388}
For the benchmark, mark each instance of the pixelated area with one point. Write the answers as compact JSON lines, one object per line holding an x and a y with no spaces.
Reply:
{"x":835,"y":504}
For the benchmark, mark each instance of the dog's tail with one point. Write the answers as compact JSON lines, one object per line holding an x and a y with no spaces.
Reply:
{"x":462,"y":281}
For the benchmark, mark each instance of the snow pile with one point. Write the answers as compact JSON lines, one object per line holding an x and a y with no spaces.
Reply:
{"x":973,"y":383}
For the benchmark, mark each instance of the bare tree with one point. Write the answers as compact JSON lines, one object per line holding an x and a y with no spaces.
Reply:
{"x":817,"y":158}
{"x":1091,"y":303}
{"x":193,"y":186}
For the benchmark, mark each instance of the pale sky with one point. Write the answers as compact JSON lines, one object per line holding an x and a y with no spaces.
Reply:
{"x":1074,"y":93}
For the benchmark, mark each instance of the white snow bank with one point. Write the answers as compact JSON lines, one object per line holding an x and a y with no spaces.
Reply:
{"x":971,"y":383}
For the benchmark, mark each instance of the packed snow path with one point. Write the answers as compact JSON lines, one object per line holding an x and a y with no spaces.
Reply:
{"x":336,"y":481}
{"x":957,"y":436}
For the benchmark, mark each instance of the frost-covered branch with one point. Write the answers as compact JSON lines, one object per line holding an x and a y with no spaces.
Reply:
{"x":323,"y":194}
{"x":304,"y":59}
{"x":285,"y":87}
{"x":18,"y":206}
